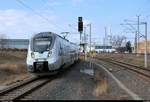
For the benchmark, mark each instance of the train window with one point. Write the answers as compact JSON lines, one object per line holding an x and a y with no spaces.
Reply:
{"x":41,"y":45}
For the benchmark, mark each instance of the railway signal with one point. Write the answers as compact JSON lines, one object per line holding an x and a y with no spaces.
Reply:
{"x":80,"y":28}
{"x":80,"y":24}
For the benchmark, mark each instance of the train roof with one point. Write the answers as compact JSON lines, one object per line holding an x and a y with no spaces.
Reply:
{"x":46,"y":34}
{"x":66,"y":39}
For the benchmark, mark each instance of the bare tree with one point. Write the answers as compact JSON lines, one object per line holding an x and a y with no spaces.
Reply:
{"x":3,"y":40}
{"x":117,"y":40}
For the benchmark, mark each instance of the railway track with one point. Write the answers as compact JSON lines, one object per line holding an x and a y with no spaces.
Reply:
{"x":140,"y":70}
{"x":19,"y":91}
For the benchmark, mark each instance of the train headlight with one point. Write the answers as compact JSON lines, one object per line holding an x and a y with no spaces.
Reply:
{"x":32,"y":55}
{"x":49,"y":53}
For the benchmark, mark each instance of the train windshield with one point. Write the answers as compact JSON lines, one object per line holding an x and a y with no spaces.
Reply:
{"x":42,"y":44}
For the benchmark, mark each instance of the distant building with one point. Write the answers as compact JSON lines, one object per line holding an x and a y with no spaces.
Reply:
{"x":101,"y":48}
{"x":14,"y":43}
{"x":141,"y":48}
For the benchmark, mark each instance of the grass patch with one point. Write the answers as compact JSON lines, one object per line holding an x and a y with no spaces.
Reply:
{"x":12,"y":66}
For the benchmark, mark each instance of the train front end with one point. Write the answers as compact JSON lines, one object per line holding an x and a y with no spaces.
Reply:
{"x":41,"y":54}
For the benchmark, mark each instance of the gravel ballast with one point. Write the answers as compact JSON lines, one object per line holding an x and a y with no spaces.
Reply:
{"x":75,"y":85}
{"x":132,"y":80}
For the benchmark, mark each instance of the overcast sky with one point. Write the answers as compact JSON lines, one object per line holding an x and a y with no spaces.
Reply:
{"x":21,"y":21}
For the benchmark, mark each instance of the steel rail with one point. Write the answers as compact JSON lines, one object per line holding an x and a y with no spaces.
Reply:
{"x":19,"y":91}
{"x":140,"y":70}
{"x":14,"y":87}
{"x":138,"y":67}
{"x":31,"y":90}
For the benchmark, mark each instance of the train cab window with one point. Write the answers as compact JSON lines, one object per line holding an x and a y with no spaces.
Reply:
{"x":41,"y":45}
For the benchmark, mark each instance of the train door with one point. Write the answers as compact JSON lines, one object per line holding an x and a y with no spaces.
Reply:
{"x":65,"y":52}
{"x":68,"y":53}
{"x":61,"y":53}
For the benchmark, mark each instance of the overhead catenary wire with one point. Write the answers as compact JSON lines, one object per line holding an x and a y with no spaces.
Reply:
{"x":47,"y":6}
{"x":132,"y":27}
{"x":38,"y":14}
{"x":46,"y":3}
{"x":127,"y":28}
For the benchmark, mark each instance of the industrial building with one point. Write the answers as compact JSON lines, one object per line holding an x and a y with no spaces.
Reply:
{"x":141,"y":48}
{"x":14,"y":43}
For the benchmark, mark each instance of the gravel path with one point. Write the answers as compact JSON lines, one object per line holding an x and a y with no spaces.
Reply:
{"x":132,"y":80}
{"x":74,"y":85}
